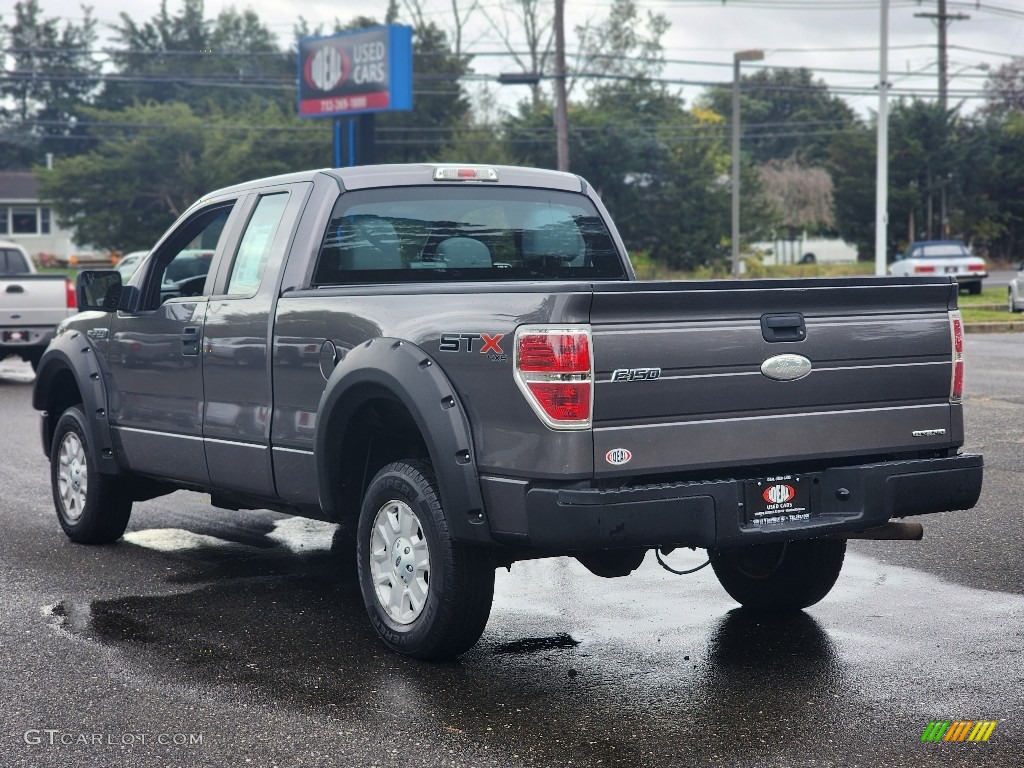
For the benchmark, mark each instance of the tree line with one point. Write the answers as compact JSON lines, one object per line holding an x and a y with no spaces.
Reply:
{"x":179,"y":104}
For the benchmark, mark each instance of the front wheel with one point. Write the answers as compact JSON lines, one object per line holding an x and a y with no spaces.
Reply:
{"x":787,"y":576}
{"x":90,"y":507}
{"x":427,"y":595}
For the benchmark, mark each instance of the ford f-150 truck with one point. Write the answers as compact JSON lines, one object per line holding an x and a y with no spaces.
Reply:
{"x":31,"y":305}
{"x":457,"y":364}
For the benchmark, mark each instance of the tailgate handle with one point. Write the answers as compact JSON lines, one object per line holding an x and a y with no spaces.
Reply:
{"x":783,"y":327}
{"x":15,"y":289}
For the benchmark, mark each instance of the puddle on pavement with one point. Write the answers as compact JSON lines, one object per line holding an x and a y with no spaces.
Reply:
{"x":98,"y":620}
{"x":670,"y":662}
{"x":530,"y":645}
{"x":287,"y":546}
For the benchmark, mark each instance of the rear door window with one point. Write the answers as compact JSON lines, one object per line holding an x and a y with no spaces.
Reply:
{"x":254,"y":249}
{"x":465,"y":233}
{"x":12,"y":262}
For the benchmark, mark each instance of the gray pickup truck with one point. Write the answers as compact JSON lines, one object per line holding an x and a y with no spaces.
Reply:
{"x":457,"y":365}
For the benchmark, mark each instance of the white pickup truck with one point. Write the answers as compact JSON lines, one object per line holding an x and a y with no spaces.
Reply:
{"x":31,"y":305}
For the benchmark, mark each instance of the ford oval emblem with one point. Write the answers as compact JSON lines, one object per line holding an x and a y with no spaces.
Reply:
{"x":786,"y":367}
{"x":618,"y":456}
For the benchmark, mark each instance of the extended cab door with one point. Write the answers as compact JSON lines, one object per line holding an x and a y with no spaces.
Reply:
{"x":236,"y":366}
{"x":156,"y":377}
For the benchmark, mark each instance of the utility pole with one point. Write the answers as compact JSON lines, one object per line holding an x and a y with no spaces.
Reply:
{"x":942,"y":21}
{"x":561,"y":108}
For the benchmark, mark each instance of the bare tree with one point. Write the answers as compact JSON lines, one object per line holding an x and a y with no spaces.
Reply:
{"x":462,"y":13}
{"x":1004,"y":91}
{"x":802,"y":197}
{"x":534,"y":19}
{"x":625,"y":46}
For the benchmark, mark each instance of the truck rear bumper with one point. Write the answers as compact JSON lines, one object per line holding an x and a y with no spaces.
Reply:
{"x":712,"y":513}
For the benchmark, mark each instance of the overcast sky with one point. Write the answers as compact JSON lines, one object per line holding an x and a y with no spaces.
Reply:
{"x":838,"y":39}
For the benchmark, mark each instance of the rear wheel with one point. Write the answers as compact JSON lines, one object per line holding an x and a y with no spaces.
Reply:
{"x":33,"y":358}
{"x":427,"y":595}
{"x":90,"y":507}
{"x":974,"y":288}
{"x":780,"y":577}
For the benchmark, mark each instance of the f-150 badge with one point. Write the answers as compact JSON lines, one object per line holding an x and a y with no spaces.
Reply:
{"x":636,"y":374}
{"x":786,"y":367}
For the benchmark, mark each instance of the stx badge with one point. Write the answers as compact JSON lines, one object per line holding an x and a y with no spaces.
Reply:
{"x":489,"y":344}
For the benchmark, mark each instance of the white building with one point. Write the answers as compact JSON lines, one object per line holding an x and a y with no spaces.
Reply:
{"x":28,"y":221}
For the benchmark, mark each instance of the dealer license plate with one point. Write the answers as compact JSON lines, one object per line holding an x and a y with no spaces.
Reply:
{"x":777,"y":500}
{"x":16,"y":336}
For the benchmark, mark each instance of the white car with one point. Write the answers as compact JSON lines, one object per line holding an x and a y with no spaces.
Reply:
{"x":1016,"y":291}
{"x":129,"y":263}
{"x":942,"y":257}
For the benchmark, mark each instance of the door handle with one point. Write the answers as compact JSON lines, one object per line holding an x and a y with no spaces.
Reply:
{"x":15,"y":289}
{"x":190,"y":341}
{"x":783,"y":327}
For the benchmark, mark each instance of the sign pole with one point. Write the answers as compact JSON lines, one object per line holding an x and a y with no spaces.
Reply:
{"x":337,"y":142}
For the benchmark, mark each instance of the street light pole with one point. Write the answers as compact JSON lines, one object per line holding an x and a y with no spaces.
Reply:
{"x":561,"y":97}
{"x":882,"y":149}
{"x":752,"y":55}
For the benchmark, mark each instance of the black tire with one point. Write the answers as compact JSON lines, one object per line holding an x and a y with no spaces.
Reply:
{"x":458,"y":580}
{"x":787,"y":576}
{"x":974,"y":288}
{"x":33,"y":358}
{"x":100,"y":515}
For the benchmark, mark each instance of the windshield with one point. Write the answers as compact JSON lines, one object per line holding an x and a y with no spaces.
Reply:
{"x":939,"y":251}
{"x":414,"y":234}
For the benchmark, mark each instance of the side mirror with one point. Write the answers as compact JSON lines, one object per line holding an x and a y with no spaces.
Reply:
{"x":99,"y":290}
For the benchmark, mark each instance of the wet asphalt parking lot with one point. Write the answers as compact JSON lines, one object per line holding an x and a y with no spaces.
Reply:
{"x":216,"y":638}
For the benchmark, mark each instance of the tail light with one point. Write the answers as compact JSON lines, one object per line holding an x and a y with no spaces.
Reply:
{"x":69,"y":294}
{"x":554,"y":369}
{"x":975,"y":267}
{"x":956,"y":330}
{"x":922,"y":268}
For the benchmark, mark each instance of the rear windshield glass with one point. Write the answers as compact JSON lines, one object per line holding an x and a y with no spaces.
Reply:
{"x":464,"y":233}
{"x":939,"y":251}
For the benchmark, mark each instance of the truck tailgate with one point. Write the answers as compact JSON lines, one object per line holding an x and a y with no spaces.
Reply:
{"x":880,"y":371}
{"x":37,"y":300}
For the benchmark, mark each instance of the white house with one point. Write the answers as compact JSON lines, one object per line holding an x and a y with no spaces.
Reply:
{"x":28,"y":221}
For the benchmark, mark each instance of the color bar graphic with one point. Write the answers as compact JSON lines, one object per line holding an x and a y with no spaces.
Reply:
{"x":958,"y":730}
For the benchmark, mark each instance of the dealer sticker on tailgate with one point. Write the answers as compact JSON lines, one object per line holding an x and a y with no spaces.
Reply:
{"x":774,"y":500}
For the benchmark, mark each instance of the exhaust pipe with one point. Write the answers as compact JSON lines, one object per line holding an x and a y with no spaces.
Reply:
{"x":891,"y":531}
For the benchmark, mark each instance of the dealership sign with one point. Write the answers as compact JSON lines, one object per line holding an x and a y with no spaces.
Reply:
{"x":369,"y":70}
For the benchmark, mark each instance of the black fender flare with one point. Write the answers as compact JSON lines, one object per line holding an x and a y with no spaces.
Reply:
{"x":395,"y":368}
{"x":71,"y":351}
